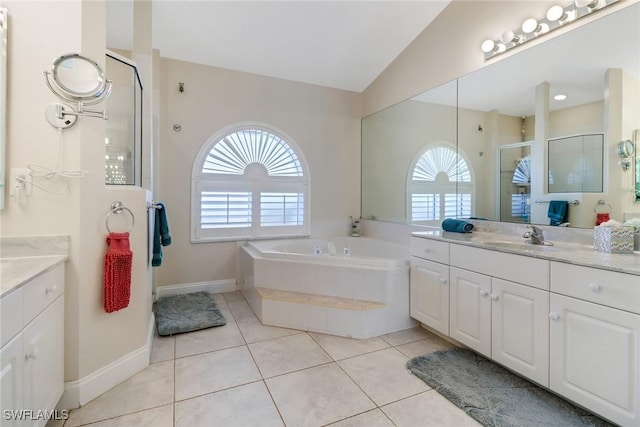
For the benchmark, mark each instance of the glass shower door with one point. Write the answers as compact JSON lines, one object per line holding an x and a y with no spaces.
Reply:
{"x":123,"y":138}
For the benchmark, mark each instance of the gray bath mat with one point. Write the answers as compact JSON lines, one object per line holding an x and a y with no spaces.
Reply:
{"x":493,"y":395}
{"x":186,"y":313}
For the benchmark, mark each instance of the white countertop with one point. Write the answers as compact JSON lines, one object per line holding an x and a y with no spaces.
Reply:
{"x":571,"y":253}
{"x":15,"y":272}
{"x":26,"y":257}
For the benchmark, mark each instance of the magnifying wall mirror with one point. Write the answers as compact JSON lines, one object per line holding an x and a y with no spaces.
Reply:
{"x":77,"y":77}
{"x":78,"y":81}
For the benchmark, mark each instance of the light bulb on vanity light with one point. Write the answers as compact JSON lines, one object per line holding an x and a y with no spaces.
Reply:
{"x":489,"y":46}
{"x":531,"y":25}
{"x":589,"y":4}
{"x":510,"y":37}
{"x":557,"y":13}
{"x":560,"y":97}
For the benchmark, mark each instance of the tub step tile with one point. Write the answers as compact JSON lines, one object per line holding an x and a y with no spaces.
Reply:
{"x":322,"y":300}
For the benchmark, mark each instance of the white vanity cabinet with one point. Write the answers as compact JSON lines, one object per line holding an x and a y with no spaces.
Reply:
{"x":429,"y":291}
{"x":520,"y":329}
{"x":568,"y":327}
{"x":493,"y":302}
{"x":502,"y":320}
{"x":470,"y":309}
{"x":32,"y":361}
{"x":500,"y":307}
{"x":595,"y":340}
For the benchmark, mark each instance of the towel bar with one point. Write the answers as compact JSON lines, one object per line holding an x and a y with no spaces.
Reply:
{"x":153,"y":206}
{"x":573,"y":202}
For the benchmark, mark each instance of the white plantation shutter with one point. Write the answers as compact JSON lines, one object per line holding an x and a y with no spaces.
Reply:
{"x":249,"y":183}
{"x":439,"y":186}
{"x":233,"y":153}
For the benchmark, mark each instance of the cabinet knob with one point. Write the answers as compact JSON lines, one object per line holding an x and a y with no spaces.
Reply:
{"x":494,"y":297}
{"x":443,"y":281}
{"x":484,"y":293}
{"x":31,"y":355}
{"x":594,"y":287}
{"x":554,"y":316}
{"x":51,"y":290}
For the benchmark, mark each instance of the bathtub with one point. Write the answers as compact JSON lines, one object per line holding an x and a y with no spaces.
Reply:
{"x":347,"y":286}
{"x":349,"y":251}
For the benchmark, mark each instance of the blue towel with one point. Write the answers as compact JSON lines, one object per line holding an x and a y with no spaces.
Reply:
{"x":457,"y":225}
{"x":558,"y":212}
{"x":161,"y":236}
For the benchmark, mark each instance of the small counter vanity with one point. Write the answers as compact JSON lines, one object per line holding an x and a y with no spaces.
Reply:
{"x":565,"y":316}
{"x":32,"y":325}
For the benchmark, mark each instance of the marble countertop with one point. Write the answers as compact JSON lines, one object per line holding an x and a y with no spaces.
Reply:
{"x":24,"y":258}
{"x":561,"y":251}
{"x":15,"y":272}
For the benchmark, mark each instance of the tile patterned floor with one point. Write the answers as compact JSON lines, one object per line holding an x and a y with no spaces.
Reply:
{"x":245,"y":374}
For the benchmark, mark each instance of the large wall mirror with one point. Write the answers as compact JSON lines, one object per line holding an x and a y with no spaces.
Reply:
{"x":501,"y":118}
{"x":3,"y":101}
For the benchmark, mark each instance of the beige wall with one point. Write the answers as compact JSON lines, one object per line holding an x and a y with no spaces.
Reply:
{"x":324,"y":123}
{"x":93,"y":339}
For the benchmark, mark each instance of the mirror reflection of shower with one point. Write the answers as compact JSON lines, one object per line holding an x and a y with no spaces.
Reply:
{"x":514,"y":182}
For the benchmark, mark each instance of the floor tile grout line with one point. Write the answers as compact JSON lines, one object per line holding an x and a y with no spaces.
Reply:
{"x":218,"y":391}
{"x":210,"y":351}
{"x":121,"y":415}
{"x":275,"y":405}
{"x":175,"y":345}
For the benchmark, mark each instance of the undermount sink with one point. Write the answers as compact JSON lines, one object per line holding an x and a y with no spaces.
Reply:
{"x":519,"y":245}
{"x":514,"y":244}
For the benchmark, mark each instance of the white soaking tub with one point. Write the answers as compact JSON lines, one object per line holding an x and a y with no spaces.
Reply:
{"x":348,"y":286}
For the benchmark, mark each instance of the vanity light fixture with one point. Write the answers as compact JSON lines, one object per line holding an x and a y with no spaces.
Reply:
{"x":556,"y":17}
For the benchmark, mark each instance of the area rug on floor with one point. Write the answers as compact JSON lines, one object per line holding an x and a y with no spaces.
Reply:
{"x":493,"y":395}
{"x":186,"y":313}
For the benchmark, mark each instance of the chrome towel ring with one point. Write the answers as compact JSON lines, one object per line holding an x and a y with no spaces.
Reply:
{"x":117,"y":208}
{"x":602,"y":203}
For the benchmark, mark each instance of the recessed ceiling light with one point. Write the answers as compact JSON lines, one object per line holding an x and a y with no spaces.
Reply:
{"x":560,"y":97}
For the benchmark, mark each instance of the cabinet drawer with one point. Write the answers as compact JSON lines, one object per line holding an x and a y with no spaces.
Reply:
{"x":516,"y":268}
{"x":617,"y":290}
{"x":11,"y":320}
{"x":42,"y":291}
{"x":430,"y":249}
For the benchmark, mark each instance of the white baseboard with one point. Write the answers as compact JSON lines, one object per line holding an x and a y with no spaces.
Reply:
{"x":79,"y":392}
{"x":214,"y":287}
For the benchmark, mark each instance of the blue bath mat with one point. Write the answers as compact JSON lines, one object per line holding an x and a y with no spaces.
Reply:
{"x":186,"y":313}
{"x":493,"y":395}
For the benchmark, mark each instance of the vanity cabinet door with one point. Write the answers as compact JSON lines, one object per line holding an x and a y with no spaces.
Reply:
{"x":594,"y":358}
{"x":429,"y":300}
{"x":520,"y":329}
{"x":470,"y":309}
{"x":44,"y":358}
{"x":11,"y":371}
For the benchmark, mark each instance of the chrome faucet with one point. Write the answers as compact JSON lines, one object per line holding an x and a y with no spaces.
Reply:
{"x":535,"y":236}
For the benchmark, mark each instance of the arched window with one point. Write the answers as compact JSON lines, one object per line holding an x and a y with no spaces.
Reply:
{"x":249,"y":181}
{"x":439,"y":186}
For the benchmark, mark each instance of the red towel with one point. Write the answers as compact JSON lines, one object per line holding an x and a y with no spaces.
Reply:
{"x":117,"y":272}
